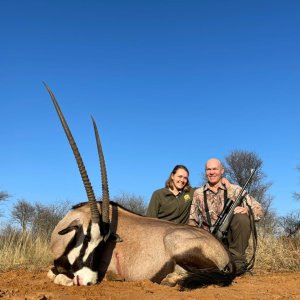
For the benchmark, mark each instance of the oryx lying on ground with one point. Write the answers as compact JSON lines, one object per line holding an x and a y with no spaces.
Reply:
{"x":87,"y":246}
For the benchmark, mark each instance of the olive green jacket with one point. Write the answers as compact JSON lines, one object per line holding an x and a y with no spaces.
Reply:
{"x":165,"y":205}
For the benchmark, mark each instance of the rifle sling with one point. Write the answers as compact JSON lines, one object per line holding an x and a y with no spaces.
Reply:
{"x":250,"y":263}
{"x":206,"y":206}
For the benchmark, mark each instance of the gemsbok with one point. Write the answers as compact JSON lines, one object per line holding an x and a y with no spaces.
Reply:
{"x":98,"y":239}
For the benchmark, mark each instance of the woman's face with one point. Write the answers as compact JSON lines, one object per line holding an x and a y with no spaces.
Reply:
{"x":180,"y":179}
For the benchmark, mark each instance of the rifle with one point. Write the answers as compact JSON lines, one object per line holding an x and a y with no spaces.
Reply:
{"x":219,"y":229}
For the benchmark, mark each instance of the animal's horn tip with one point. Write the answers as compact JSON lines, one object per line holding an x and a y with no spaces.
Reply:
{"x":47,"y":87}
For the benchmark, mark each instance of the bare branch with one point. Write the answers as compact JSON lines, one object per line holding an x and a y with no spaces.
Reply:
{"x":23,"y":213}
{"x":132,"y":202}
{"x":4,"y":196}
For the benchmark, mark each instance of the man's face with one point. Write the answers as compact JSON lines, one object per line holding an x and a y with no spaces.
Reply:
{"x":214,"y":171}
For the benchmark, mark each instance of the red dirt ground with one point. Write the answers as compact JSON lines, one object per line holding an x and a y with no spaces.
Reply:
{"x":30,"y":285}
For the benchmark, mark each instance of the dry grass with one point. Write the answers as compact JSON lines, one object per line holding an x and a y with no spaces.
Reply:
{"x":19,"y":250}
{"x":278,"y":253}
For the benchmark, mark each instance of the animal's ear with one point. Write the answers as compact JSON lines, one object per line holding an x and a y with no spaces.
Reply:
{"x":74,"y":225}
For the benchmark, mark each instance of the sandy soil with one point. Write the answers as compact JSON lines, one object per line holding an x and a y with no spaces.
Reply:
{"x":35,"y":285}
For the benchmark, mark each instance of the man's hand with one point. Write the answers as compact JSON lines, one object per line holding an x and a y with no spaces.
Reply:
{"x":241,"y":210}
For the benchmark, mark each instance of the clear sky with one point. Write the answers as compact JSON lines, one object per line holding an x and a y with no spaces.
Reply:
{"x":168,"y":82}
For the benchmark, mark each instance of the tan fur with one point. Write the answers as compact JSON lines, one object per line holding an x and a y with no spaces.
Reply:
{"x":151,"y":248}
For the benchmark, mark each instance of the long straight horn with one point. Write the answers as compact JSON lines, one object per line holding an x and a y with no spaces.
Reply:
{"x":105,"y":191}
{"x":88,"y":187}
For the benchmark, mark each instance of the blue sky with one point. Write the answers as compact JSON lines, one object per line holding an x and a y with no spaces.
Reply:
{"x":168,"y":82}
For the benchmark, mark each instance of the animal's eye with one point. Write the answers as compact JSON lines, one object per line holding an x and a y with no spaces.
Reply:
{"x":87,"y":238}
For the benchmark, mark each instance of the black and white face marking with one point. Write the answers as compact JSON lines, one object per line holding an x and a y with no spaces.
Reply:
{"x":78,"y":262}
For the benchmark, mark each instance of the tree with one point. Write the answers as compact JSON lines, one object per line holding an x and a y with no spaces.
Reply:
{"x":238,"y":168}
{"x":291,"y":223}
{"x":23,"y":213}
{"x":39,"y":219}
{"x":297,"y":195}
{"x":4,"y":196}
{"x":132,"y":202}
{"x":46,"y":218}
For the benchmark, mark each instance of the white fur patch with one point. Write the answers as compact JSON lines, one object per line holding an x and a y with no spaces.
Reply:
{"x":85,"y":276}
{"x":63,"y":280}
{"x":95,"y":240}
{"x":74,"y":253}
{"x":51,"y":275}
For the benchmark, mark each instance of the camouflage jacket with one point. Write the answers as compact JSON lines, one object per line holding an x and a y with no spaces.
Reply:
{"x":215,"y":202}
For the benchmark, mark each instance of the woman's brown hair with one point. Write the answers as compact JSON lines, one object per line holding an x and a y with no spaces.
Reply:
{"x":169,"y":182}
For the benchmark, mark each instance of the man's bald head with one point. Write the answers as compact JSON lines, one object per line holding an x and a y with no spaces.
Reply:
{"x":214,"y":171}
{"x":214,"y":161}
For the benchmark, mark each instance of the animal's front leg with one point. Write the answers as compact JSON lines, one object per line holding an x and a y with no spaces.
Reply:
{"x":60,"y":279}
{"x":175,"y":277}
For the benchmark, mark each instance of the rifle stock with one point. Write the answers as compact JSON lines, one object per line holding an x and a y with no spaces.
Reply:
{"x":219,"y":229}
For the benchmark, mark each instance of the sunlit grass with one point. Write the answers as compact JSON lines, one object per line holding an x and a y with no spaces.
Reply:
{"x":22,"y":250}
{"x":25,"y":250}
{"x":278,"y":253}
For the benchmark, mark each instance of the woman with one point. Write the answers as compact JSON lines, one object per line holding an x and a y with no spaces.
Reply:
{"x":173,"y":202}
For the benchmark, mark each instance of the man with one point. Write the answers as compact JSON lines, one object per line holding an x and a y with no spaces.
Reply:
{"x":208,"y":203}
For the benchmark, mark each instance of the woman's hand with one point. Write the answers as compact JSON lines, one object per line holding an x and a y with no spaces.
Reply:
{"x":226,"y":182}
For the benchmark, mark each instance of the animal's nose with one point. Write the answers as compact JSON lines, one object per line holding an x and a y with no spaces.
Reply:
{"x":89,"y":283}
{"x":76,"y":280}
